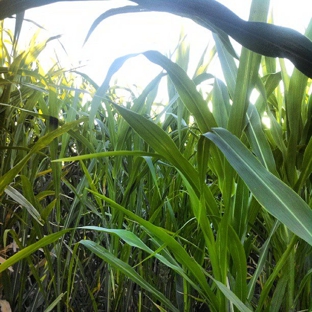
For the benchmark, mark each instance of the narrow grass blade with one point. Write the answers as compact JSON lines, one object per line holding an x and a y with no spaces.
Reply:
{"x":238,"y":255}
{"x":229,"y":67}
{"x":101,"y":91}
{"x":134,"y":241}
{"x":107,"y":154}
{"x":258,"y":141}
{"x":232,"y":297}
{"x":277,"y":268}
{"x":160,"y":141}
{"x":260,"y":265}
{"x":40,"y":144}
{"x":54,"y":303}
{"x":185,"y":87}
{"x":109,"y":13}
{"x":177,"y":250}
{"x":306,"y":167}
{"x":27,"y":251}
{"x":275,"y":196}
{"x":126,"y":269}
{"x":19,"y":198}
{"x":294,"y":105}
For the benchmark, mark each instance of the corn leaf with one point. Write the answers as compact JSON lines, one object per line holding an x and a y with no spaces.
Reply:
{"x":275,"y":196}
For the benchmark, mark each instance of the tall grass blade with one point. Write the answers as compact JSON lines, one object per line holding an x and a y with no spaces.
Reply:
{"x":177,"y":250}
{"x":160,"y":141}
{"x":27,"y":251}
{"x":185,"y":87}
{"x":40,"y":144}
{"x":232,"y":297}
{"x":126,"y":269}
{"x":19,"y":198}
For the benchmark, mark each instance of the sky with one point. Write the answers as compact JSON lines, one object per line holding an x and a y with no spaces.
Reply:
{"x":131,"y":33}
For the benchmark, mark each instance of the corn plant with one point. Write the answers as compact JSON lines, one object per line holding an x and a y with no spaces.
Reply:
{"x":190,"y":205}
{"x":255,"y":170}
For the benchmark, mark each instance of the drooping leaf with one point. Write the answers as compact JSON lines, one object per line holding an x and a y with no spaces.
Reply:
{"x":137,"y":9}
{"x":185,"y":87}
{"x":263,"y":38}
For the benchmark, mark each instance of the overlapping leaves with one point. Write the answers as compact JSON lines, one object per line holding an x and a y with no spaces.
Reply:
{"x":263,"y":38}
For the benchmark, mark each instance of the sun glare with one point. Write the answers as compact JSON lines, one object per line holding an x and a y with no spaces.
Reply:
{"x":133,"y":33}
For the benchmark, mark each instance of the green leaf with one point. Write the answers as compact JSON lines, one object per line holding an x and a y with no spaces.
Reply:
{"x":106,"y":154}
{"x":262,"y":38}
{"x":185,"y":87}
{"x":126,"y":269}
{"x":258,"y":141}
{"x":161,"y":142}
{"x":40,"y":144}
{"x":19,"y":198}
{"x":232,"y":297}
{"x":27,"y":251}
{"x":274,"y":195}
{"x":177,"y":250}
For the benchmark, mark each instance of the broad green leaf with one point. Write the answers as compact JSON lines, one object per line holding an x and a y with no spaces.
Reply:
{"x":274,"y":195}
{"x":137,"y":9}
{"x":262,"y":38}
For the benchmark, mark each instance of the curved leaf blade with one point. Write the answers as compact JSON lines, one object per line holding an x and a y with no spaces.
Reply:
{"x":126,"y":269}
{"x":27,"y":251}
{"x":19,"y":198}
{"x":262,"y":38}
{"x":177,"y":250}
{"x":275,"y":196}
{"x":109,"y":13}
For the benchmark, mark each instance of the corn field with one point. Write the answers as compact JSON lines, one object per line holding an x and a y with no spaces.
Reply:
{"x":111,"y":200}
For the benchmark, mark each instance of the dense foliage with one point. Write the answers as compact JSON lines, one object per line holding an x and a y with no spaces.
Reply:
{"x":112,"y":201}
